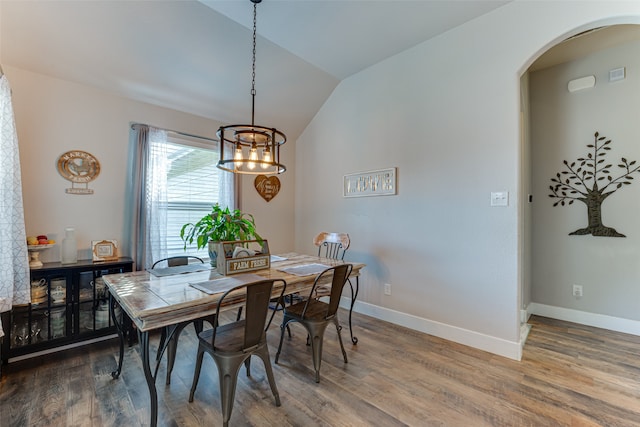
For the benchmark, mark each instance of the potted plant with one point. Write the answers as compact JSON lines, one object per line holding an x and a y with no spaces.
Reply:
{"x":221,"y":224}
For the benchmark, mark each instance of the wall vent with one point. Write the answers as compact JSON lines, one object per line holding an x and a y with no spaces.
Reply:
{"x":617,"y":74}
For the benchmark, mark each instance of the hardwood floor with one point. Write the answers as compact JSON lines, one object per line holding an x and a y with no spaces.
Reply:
{"x":570,"y":375}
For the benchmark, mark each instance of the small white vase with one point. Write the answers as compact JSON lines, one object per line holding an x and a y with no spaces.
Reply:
{"x":69,"y":247}
{"x":213,"y":253}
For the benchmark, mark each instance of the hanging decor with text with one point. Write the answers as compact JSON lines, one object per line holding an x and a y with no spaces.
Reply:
{"x":380,"y":182}
{"x":267,"y":186}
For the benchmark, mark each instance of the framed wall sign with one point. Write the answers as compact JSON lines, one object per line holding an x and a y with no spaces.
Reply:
{"x":381,"y":182}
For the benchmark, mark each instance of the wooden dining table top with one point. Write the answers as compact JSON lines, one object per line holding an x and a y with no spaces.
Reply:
{"x":153,"y":302}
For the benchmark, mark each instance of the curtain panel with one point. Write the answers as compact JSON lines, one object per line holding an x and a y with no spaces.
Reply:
{"x":148,"y":197}
{"x":14,"y":257}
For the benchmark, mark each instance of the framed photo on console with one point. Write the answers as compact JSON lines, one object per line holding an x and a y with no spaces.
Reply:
{"x":104,"y":250}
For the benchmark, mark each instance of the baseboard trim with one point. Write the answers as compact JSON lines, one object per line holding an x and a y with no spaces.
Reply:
{"x":498,"y":346}
{"x":611,"y":323}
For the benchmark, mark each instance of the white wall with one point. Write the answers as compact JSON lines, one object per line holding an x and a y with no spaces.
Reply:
{"x":275,"y":218}
{"x":446,"y":113}
{"x":54,"y":116}
{"x":563,"y":123}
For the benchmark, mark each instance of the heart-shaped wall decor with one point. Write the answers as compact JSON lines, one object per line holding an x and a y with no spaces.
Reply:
{"x":267,"y":186}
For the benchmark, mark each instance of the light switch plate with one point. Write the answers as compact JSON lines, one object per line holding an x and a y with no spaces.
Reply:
{"x":500,"y":198}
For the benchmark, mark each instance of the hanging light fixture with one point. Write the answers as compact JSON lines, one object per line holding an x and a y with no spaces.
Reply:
{"x":256,"y":149}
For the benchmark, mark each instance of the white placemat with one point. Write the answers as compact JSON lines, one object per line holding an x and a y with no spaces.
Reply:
{"x":223,"y":284}
{"x":305,"y":269}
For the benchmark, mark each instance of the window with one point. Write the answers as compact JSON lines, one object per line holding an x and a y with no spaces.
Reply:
{"x":174,"y":181}
{"x":192,"y":188}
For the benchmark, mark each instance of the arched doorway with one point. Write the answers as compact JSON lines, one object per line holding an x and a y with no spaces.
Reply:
{"x":558,"y":125}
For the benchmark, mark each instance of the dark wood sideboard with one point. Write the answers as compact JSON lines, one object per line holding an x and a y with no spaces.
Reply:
{"x":69,"y":305}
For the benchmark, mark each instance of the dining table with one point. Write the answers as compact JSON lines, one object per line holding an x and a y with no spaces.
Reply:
{"x":168,"y":300}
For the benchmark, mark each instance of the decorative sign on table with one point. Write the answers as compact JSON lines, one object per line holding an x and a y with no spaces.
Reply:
{"x":242,"y":256}
{"x":380,"y":182}
{"x":267,"y":186}
{"x":79,"y":167}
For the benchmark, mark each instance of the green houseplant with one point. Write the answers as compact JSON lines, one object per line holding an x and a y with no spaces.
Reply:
{"x":221,"y":224}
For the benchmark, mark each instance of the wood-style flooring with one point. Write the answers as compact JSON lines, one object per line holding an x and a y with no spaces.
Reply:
{"x":570,"y":375}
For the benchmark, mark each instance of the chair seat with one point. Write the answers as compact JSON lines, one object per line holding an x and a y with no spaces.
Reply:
{"x":229,"y":337}
{"x":316,"y":310}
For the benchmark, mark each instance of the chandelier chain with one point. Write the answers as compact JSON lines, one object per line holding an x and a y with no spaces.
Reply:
{"x":253,"y":67}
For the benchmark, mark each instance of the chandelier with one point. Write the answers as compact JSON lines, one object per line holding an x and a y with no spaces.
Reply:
{"x":256,"y":149}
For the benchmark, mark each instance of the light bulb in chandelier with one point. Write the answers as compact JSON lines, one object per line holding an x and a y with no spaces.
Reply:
{"x":237,"y":156}
{"x":266,"y":157}
{"x":253,"y":157}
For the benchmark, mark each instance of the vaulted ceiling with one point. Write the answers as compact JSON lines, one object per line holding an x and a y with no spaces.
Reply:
{"x":195,"y":56}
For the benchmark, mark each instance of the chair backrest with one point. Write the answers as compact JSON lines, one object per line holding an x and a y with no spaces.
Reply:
{"x":340,"y":276}
{"x":177,"y":260}
{"x":258,"y":296}
{"x":334,"y":244}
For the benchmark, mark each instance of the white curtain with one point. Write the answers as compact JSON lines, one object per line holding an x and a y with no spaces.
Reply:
{"x":156,"y":196}
{"x":227,"y":194}
{"x":14,"y":259}
{"x":148,"y":196}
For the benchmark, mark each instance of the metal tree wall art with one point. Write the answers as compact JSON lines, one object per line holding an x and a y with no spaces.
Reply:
{"x":589,"y":180}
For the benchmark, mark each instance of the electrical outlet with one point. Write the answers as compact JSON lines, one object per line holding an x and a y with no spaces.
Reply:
{"x":387,"y":289}
{"x":577,"y":290}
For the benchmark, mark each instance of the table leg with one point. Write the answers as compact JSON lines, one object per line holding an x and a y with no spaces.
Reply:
{"x":143,"y":338}
{"x":173,"y":334}
{"x":354,"y":295}
{"x":112,"y":303}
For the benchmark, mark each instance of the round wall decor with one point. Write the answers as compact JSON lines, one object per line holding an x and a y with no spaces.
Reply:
{"x":79,"y":167}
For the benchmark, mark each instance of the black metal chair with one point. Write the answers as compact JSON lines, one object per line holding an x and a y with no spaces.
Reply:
{"x":177,"y":260}
{"x":232,"y":344}
{"x":315,"y":315}
{"x":332,"y":245}
{"x":171,"y":348}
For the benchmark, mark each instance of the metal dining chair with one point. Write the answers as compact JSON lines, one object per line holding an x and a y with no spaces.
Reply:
{"x":232,"y":344}
{"x":315,"y":315}
{"x":175,"y":261}
{"x":332,"y":245}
